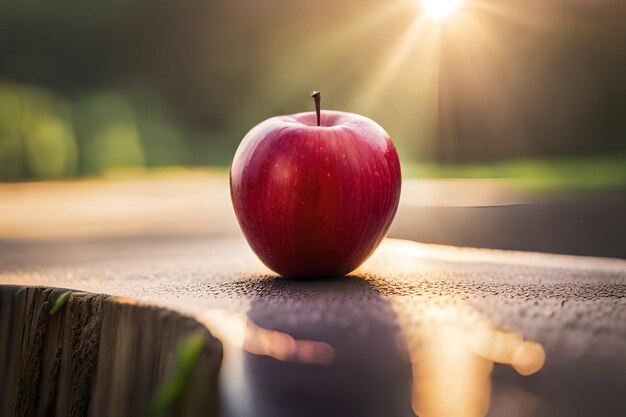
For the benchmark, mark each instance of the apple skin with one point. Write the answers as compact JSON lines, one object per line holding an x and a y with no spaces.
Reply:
{"x":315,"y":200}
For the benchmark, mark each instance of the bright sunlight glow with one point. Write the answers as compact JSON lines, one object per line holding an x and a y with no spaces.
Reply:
{"x":439,"y":9}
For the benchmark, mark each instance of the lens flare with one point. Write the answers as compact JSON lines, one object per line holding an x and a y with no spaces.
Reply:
{"x":439,"y":9}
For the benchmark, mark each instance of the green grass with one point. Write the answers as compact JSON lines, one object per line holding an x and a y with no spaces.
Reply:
{"x":559,"y":174}
{"x":60,"y":302}
{"x":571,"y":174}
{"x":187,"y":355}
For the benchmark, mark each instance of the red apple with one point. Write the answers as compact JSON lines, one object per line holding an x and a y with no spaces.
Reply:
{"x":315,"y":193}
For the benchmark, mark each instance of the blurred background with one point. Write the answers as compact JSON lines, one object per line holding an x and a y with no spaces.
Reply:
{"x":89,"y":86}
{"x":532,"y":92}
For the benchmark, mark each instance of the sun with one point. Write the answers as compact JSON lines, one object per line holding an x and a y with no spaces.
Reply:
{"x":439,"y":9}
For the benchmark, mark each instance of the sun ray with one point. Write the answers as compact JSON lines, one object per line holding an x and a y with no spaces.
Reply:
{"x":391,"y":64}
{"x":513,"y":12}
{"x":318,"y":57}
{"x":414,"y":72}
{"x":414,"y":58}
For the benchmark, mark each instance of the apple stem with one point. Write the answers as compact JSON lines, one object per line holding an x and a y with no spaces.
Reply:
{"x":317,"y":97}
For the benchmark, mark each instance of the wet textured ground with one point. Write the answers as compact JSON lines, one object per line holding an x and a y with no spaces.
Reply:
{"x":434,"y":330}
{"x":419,"y":329}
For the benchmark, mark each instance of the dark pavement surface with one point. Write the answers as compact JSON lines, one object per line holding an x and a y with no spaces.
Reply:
{"x":436,"y":330}
{"x":419,"y":329}
{"x":581,"y":224}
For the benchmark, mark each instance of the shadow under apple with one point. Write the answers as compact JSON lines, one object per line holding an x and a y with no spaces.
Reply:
{"x":331,"y":347}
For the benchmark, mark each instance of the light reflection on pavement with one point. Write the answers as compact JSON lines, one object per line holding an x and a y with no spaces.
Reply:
{"x":451,"y":351}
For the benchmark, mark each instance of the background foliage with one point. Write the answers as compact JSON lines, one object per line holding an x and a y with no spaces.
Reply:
{"x":88,"y":86}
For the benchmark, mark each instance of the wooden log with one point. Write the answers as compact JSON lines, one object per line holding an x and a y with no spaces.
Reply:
{"x":101,"y":356}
